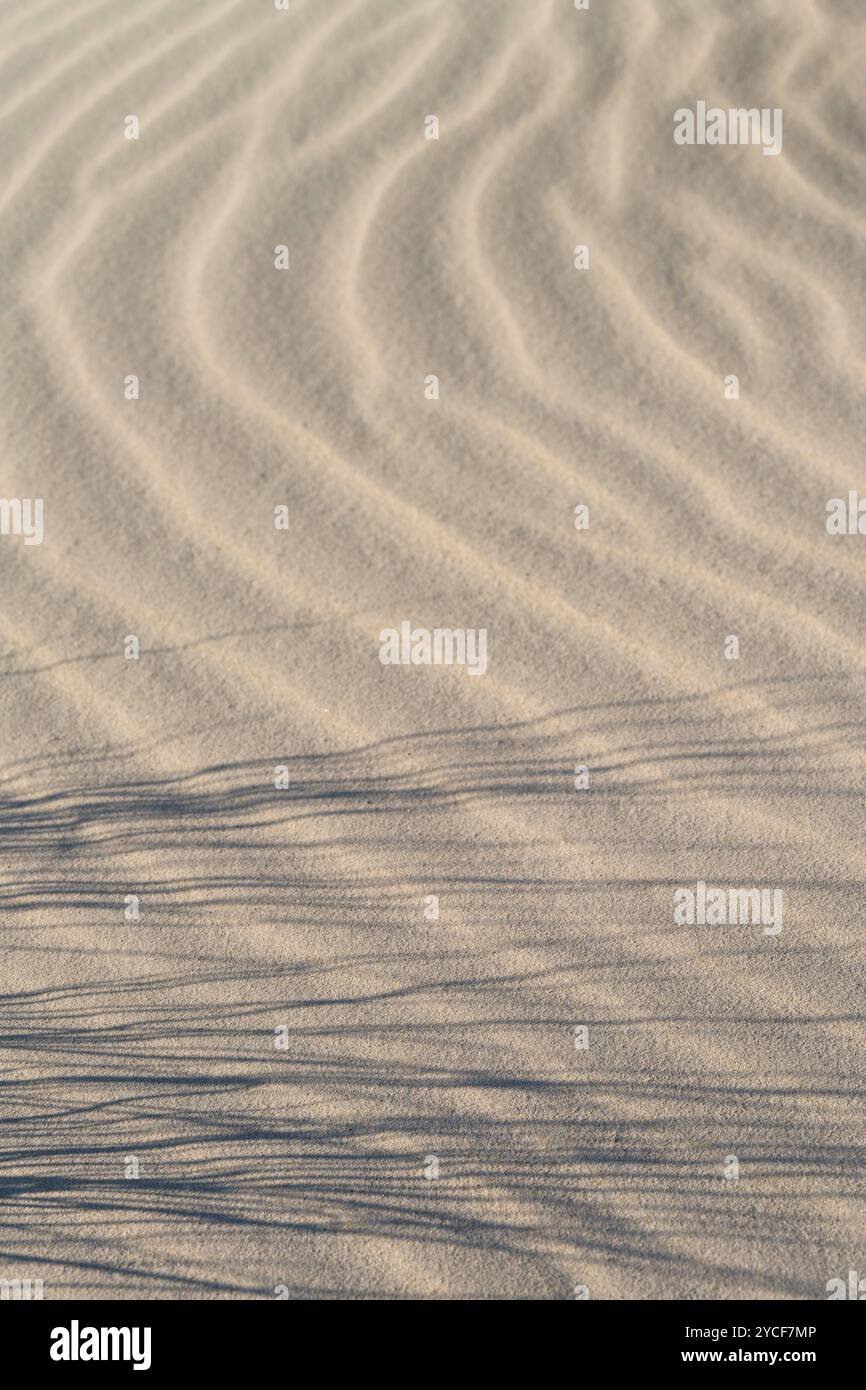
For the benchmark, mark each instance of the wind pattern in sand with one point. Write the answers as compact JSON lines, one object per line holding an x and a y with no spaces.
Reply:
{"x":301,"y":1159}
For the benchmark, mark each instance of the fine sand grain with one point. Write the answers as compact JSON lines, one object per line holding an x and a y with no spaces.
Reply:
{"x":286,"y":1044}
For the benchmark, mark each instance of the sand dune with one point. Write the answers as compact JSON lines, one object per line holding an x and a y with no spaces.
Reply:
{"x":302,"y":1160}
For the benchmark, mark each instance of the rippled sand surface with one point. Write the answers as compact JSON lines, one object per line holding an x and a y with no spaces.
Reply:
{"x":285,"y":1045}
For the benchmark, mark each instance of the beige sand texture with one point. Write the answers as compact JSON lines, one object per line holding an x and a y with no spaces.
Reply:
{"x":306,"y":1170}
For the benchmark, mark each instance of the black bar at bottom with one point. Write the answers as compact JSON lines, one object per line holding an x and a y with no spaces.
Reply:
{"x":237,"y":1337}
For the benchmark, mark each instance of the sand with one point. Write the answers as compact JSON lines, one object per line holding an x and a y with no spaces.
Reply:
{"x":324,"y":1089}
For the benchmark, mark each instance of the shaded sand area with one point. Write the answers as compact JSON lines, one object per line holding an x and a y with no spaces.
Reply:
{"x":287,"y":1044}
